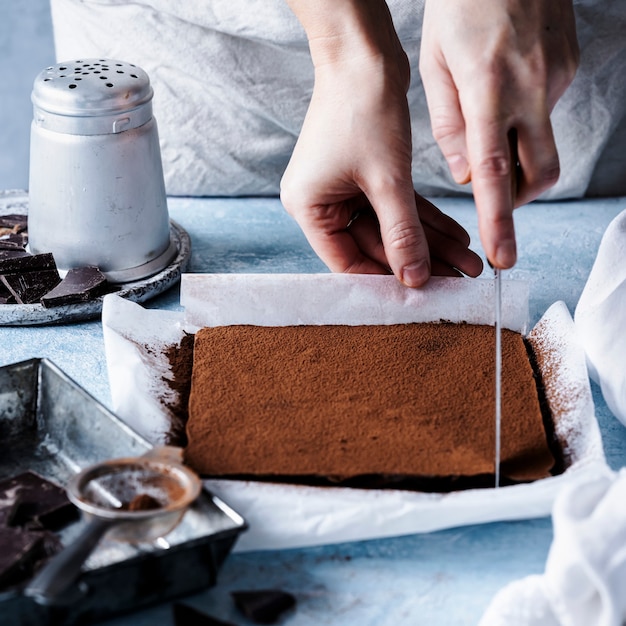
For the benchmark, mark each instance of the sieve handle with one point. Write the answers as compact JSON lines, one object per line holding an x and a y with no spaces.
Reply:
{"x":50,"y":584}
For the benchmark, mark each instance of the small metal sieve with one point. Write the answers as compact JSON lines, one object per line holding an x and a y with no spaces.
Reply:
{"x":137,"y":500}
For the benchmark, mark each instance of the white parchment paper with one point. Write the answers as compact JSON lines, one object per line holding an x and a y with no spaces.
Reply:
{"x":283,"y":516}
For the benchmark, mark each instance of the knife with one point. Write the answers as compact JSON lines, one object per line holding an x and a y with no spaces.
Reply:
{"x":498,"y":327}
{"x":515,"y":175}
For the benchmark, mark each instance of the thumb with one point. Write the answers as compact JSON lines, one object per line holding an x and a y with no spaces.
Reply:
{"x":403,"y":237}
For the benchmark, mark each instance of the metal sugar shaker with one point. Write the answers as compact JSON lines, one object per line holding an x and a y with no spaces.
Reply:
{"x":96,"y":190}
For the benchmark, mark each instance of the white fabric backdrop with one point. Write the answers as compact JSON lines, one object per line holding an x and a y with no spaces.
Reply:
{"x":233,"y":78}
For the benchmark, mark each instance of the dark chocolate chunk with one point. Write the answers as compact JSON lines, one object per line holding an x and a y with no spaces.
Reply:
{"x":79,"y":285}
{"x":185,"y":615}
{"x":9,"y":502}
{"x":41,"y":501}
{"x":26,"y":276}
{"x":14,"y":242}
{"x":19,"y":550}
{"x":50,"y":545}
{"x":12,"y":253}
{"x":6,"y":297}
{"x":263,"y":606}
{"x":29,"y":287}
{"x":27,"y":263}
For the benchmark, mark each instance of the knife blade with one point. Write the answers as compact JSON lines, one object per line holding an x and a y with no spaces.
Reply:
{"x":515,"y":175}
{"x":498,"y":390}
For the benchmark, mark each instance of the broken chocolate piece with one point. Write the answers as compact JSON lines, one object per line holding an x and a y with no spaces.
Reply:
{"x":79,"y":285}
{"x":50,"y":546}
{"x":264,"y":606}
{"x":14,"y":242}
{"x":27,"y":263}
{"x":12,"y":253}
{"x":41,"y":501}
{"x":6,"y":297}
{"x":185,"y":615}
{"x":29,"y":287}
{"x":28,"y":276}
{"x":9,"y":501}
{"x":19,"y":550}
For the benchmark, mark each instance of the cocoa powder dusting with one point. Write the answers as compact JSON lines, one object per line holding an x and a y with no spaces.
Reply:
{"x":142,"y":502}
{"x":344,"y":401}
{"x":180,"y":358}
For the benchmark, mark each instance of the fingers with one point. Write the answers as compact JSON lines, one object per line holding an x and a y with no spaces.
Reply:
{"x":448,"y":243}
{"x":446,"y":240}
{"x":401,"y":232}
{"x":437,"y":220}
{"x":486,"y":70}
{"x":446,"y":118}
{"x":494,"y":170}
{"x":347,"y":236}
{"x":355,"y":249}
{"x":538,"y":158}
{"x":450,"y":257}
{"x":365,"y":231}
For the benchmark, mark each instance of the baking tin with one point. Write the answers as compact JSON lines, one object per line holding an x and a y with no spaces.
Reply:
{"x":16,"y":201}
{"x":52,"y":426}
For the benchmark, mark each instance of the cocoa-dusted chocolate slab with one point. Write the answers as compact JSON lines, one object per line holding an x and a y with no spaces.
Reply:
{"x":79,"y":285}
{"x":403,"y":400}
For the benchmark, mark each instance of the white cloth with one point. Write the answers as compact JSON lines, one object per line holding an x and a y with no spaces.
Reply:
{"x":585,"y":575}
{"x":600,"y":318}
{"x":233,"y":79}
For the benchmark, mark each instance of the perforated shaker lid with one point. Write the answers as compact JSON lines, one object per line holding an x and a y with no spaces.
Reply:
{"x":92,"y":97}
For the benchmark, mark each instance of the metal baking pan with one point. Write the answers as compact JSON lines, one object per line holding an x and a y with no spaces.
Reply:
{"x":50,"y":425}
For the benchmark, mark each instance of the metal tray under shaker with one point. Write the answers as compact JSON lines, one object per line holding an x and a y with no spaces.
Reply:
{"x":16,"y":201}
{"x":50,"y":425}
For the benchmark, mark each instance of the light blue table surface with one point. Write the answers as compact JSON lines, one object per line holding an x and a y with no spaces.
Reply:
{"x":445,"y":577}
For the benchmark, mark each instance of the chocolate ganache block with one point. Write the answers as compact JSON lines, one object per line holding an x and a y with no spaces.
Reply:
{"x":352,"y":402}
